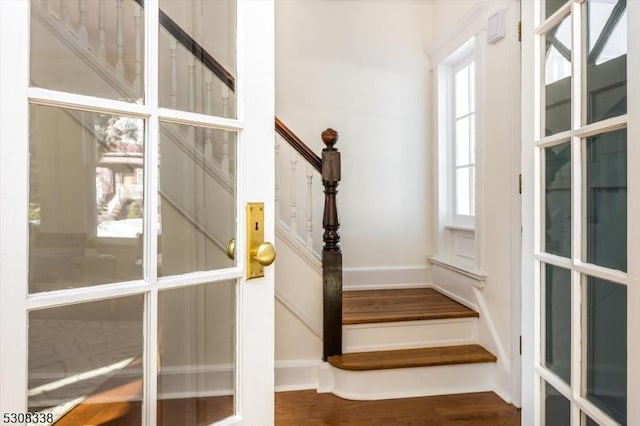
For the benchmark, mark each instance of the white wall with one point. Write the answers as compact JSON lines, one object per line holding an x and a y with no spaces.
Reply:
{"x":499,"y":215}
{"x":360,"y":67}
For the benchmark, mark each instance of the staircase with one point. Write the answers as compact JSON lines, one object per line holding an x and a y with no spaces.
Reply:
{"x":408,"y":342}
{"x":377,"y":343}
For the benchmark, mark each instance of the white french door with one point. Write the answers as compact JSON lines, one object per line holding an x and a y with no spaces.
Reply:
{"x":581,"y":275}
{"x":133,"y":136}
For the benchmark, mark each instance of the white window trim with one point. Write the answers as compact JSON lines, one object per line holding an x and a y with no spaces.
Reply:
{"x":452,"y":227}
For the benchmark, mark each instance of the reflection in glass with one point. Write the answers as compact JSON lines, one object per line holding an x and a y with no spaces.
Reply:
{"x":557,"y":409}
{"x":557,"y":162}
{"x":558,"y":78}
{"x":550,"y":6}
{"x":198,"y":56}
{"x":557,"y":314}
{"x":197,"y":198}
{"x":91,"y":48}
{"x":589,"y":422}
{"x":87,"y":358}
{"x":196,"y":335}
{"x":86,"y":196}
{"x":607,"y":347}
{"x":607,"y":199}
{"x":606,"y":59}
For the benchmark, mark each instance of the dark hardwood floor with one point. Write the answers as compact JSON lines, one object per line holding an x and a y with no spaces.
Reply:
{"x":474,"y":409}
{"x":301,"y":408}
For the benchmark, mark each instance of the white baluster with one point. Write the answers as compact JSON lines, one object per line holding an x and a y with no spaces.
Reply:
{"x":174,"y":74}
{"x":225,"y":99}
{"x":293,"y":212}
{"x":102,"y":45}
{"x":64,"y":11}
{"x":225,"y":136}
{"x":192,"y":83}
{"x":120,"y":39}
{"x":309,"y":239}
{"x":83,"y":35}
{"x":208,"y":143}
{"x":137,"y":82}
{"x":277,"y":178}
{"x":192,"y":95}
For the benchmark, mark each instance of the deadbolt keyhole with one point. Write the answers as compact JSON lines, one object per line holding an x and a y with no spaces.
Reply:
{"x":257,"y":227}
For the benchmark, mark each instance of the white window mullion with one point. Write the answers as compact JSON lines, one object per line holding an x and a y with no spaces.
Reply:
{"x":150,"y":257}
{"x":578,"y":213}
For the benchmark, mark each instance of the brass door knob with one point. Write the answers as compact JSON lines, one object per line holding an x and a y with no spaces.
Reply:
{"x":265,"y":254}
{"x":230,"y":250}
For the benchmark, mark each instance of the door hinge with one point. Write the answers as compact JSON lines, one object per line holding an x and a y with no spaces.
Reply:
{"x":520,"y":345}
{"x":520,"y":183}
{"x":519,"y":30}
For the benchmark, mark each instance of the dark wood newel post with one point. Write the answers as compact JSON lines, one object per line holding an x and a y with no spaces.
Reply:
{"x":331,"y":253}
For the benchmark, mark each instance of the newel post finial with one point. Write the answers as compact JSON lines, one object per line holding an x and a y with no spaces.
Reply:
{"x":330,"y":137}
{"x":331,"y":252}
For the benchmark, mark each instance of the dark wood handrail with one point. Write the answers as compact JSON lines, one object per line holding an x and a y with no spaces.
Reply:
{"x":195,"y":48}
{"x":229,"y":80}
{"x":297,"y":144}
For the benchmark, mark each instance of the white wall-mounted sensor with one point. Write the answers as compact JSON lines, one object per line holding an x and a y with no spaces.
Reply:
{"x":497,"y":27}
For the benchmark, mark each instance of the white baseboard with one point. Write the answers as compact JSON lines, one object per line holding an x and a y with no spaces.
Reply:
{"x":296,"y":375}
{"x":384,"y":278}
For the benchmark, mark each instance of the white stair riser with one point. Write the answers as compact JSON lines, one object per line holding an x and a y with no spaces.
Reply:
{"x":409,"y":334}
{"x":408,"y":382}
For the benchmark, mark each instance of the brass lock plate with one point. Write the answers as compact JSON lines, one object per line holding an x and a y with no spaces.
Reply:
{"x":255,"y":237}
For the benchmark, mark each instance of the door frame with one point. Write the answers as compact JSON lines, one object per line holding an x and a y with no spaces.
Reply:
{"x":531,"y":328}
{"x":255,"y":310}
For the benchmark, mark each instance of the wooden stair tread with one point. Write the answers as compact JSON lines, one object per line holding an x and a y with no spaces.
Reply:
{"x":372,"y":306}
{"x":405,"y":358}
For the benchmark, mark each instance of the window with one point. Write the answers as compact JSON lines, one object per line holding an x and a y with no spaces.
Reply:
{"x":457,"y":141}
{"x":463,"y":141}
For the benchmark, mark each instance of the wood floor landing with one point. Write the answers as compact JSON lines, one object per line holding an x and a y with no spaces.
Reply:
{"x":406,"y":358}
{"x":372,"y":306}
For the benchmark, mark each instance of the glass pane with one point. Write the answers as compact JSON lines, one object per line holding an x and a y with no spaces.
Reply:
{"x":198,"y":56}
{"x":85,"y":362}
{"x":588,"y":421}
{"x":463,"y":206}
{"x":550,"y":6}
{"x":607,"y":199}
{"x":85,"y":198}
{"x":88,"y":47}
{"x":462,"y":91}
{"x":472,"y":138}
{"x":606,"y":365}
{"x":558,"y":78}
{"x":557,"y":317}
{"x":472,"y":87}
{"x":606,"y":59}
{"x":462,"y":141}
{"x":196,"y":336}
{"x":557,"y":409}
{"x":197,"y":198}
{"x":557,"y":162}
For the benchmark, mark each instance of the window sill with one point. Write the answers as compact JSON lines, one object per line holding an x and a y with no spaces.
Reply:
{"x":456,"y":227}
{"x":479,"y":277}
